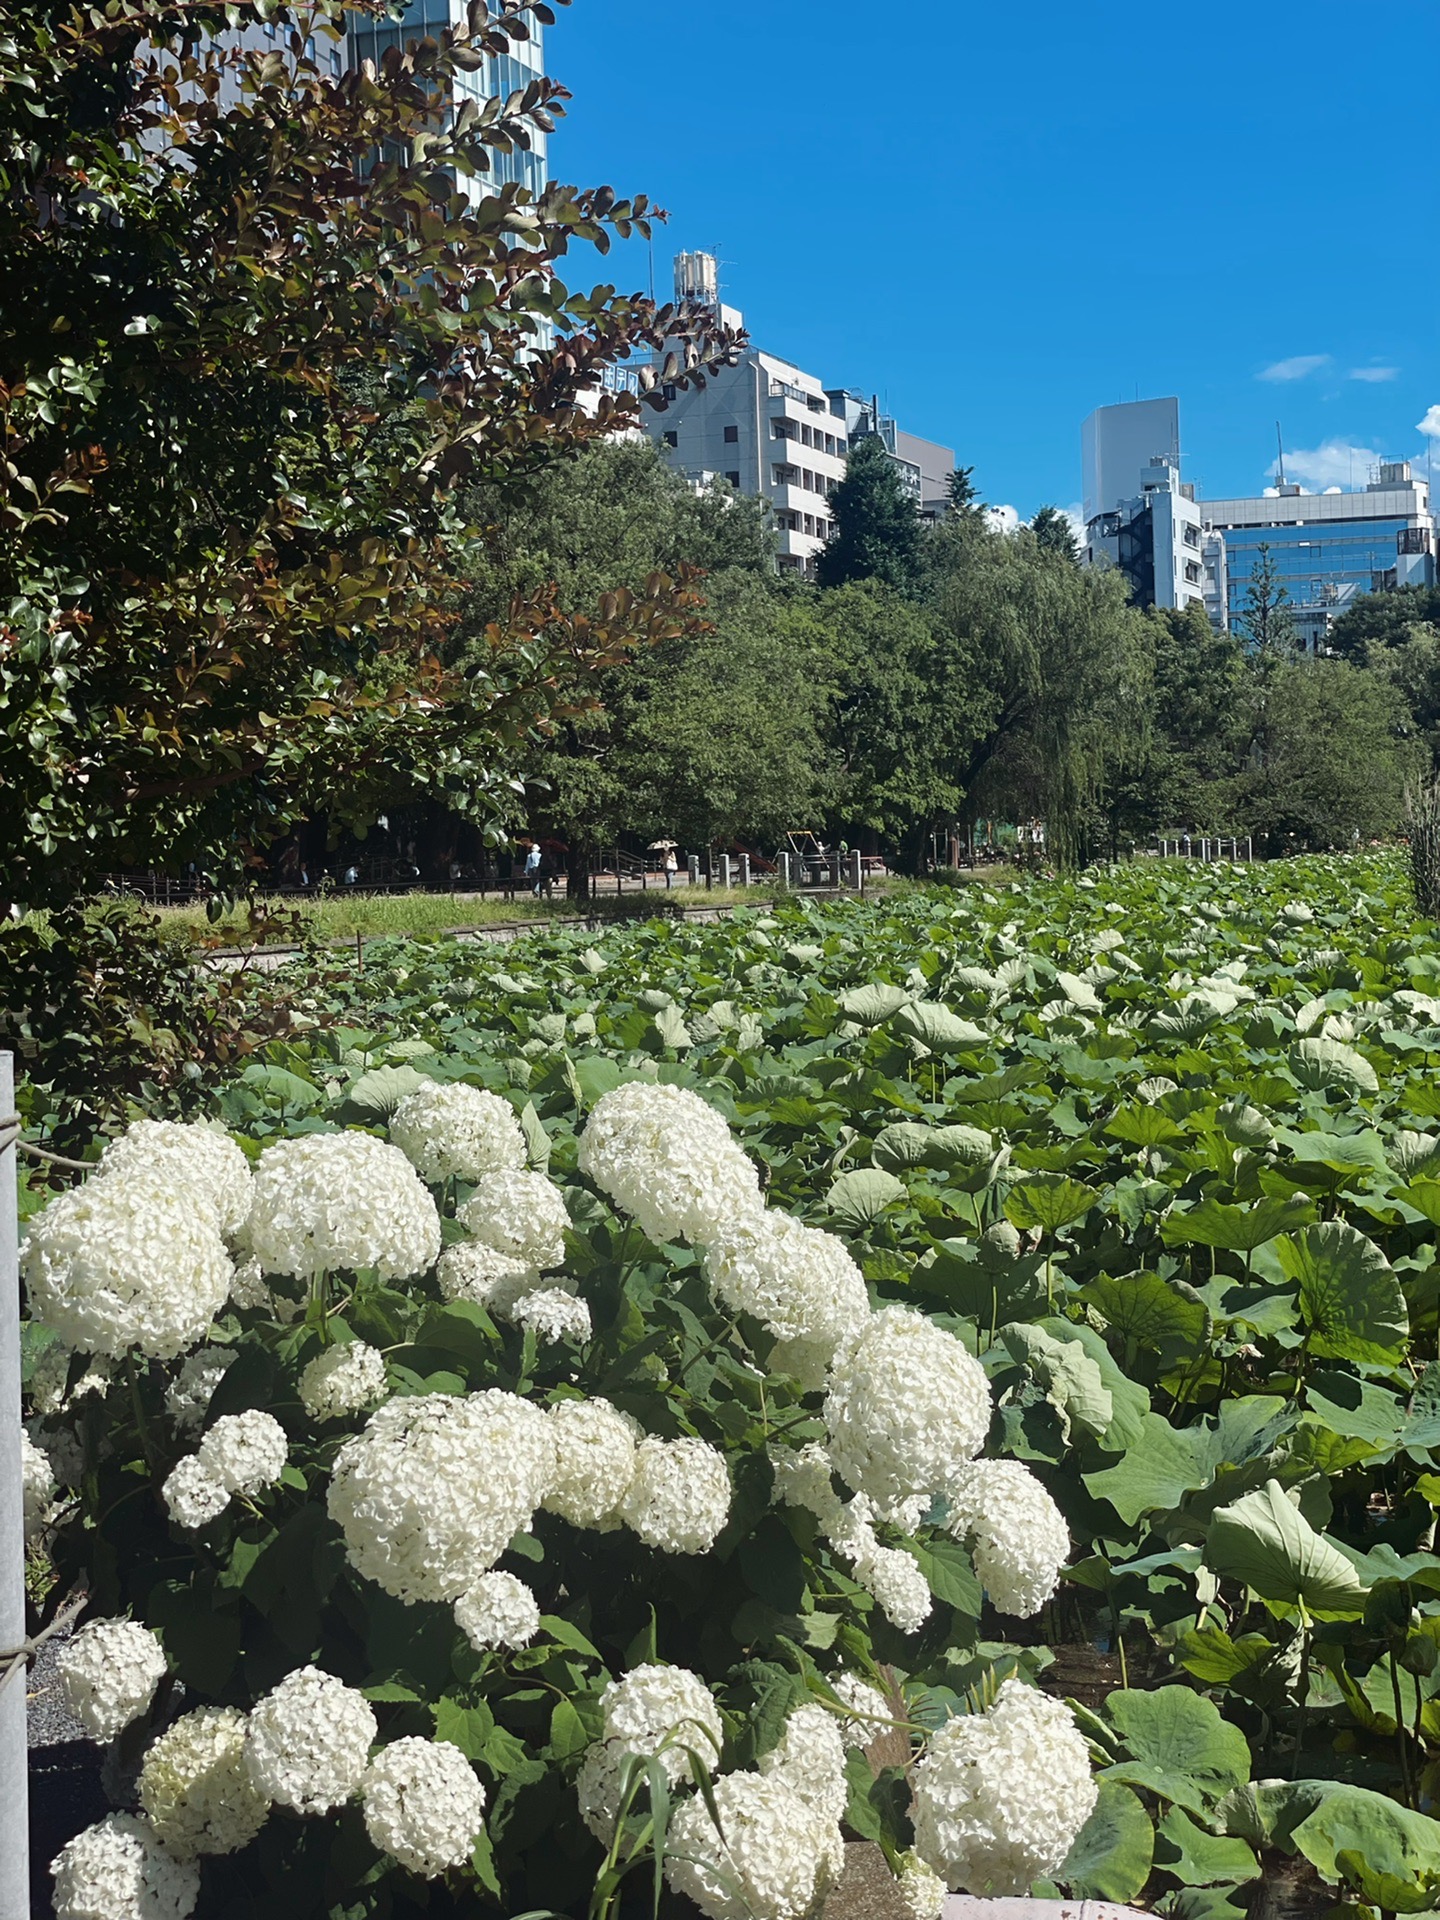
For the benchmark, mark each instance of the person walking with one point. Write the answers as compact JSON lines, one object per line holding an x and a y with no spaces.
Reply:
{"x":532,"y":866}
{"x":672,"y":867}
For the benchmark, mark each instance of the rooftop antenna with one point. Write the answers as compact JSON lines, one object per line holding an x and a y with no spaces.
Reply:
{"x":1280,"y":447}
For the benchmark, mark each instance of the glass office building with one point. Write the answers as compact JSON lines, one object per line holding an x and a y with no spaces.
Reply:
{"x":1327,"y":548}
{"x":499,"y":76}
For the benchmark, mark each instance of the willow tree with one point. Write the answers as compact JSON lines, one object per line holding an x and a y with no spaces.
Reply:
{"x":258,"y":326}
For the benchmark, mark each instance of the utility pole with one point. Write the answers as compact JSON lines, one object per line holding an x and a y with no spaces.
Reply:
{"x":14,"y":1798}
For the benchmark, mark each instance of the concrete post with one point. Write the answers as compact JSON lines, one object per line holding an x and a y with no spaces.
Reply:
{"x":786,"y":882}
{"x":692,"y":868}
{"x":744,"y":869}
{"x":856,"y":875}
{"x":725,"y":871}
{"x":14,"y":1799}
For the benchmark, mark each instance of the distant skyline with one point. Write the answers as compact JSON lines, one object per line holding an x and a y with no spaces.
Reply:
{"x":998,"y":219}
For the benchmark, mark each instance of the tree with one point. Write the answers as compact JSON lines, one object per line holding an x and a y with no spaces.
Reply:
{"x":1331,"y":752}
{"x":714,"y":733}
{"x":244,"y":370}
{"x":1054,"y":534}
{"x":1383,"y":620}
{"x":1268,"y":621}
{"x":1057,"y":662}
{"x":963,"y":500}
{"x":877,"y":530}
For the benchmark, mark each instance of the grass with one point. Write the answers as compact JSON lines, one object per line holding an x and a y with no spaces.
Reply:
{"x":420,"y":915}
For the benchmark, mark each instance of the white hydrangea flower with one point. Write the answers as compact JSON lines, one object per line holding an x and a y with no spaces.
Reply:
{"x":132,"y":1260}
{"x":521,"y":1214}
{"x":37,"y":1480}
{"x":1000,"y":1796}
{"x":194,"y":1787}
{"x":324,"y":1201}
{"x":193,"y":1494}
{"x":309,"y":1741}
{"x":908,"y":1409}
{"x":798,"y":1280}
{"x":108,"y":1674}
{"x":810,"y":1759}
{"x":802,"y":1479}
{"x":554,"y":1314}
{"x":342,"y":1380}
{"x":455,"y":1131}
{"x":922,"y":1890}
{"x":894,"y":1580}
{"x":423,"y":1805}
{"x":679,"y":1498}
{"x":246,"y":1452}
{"x":62,"y":1443}
{"x":194,"y":1158}
{"x":775,"y":1858}
{"x":248,"y":1288}
{"x":188,"y":1396}
{"x":491,"y":1279}
{"x":666,"y":1157}
{"x":49,"y":1390}
{"x":432,"y":1490}
{"x":498,"y":1611}
{"x":866,"y":1708}
{"x":598,"y":1787}
{"x":117,"y":1870}
{"x":659,"y":1710}
{"x":594,"y":1461}
{"x":1021,"y":1540}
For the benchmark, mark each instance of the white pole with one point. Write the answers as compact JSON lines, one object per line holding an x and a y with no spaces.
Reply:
{"x":14,"y":1800}
{"x":744,"y":869}
{"x":857,"y":870}
{"x":725,"y":871}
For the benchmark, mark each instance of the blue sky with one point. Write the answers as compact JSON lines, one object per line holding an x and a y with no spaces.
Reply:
{"x":1000,"y":216}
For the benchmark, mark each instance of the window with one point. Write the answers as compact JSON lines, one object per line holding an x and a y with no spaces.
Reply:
{"x":732,"y":435}
{"x":806,"y":436}
{"x":670,"y":390}
{"x":734,"y":480}
{"x":335,"y":62}
{"x":810,"y":524}
{"x":1192,"y":572}
{"x":672,"y":439}
{"x":840,"y":447}
{"x":781,"y":429}
{"x":829,"y":443}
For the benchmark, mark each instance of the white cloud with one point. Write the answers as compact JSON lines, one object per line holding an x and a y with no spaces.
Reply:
{"x":1430,"y":425}
{"x":1002,"y":519}
{"x":1373,"y":375}
{"x":1299,"y":367}
{"x":1334,"y":463}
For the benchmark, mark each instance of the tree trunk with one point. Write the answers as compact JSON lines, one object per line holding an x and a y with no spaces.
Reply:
{"x":577,"y":872}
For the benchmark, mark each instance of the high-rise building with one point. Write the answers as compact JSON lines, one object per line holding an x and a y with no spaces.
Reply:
{"x":1326,"y":548}
{"x":775,"y":431}
{"x":497,"y":76}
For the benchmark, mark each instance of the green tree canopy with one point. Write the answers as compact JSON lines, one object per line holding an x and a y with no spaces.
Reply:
{"x":1330,"y":752}
{"x":1383,"y":620}
{"x":1268,"y":620}
{"x":244,"y":368}
{"x":1054,"y":534}
{"x":877,"y":530}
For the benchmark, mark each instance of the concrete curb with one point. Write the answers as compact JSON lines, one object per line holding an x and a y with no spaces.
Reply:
{"x":964,"y":1906}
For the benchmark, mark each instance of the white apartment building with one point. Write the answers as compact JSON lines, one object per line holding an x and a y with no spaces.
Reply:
{"x":1156,"y":538}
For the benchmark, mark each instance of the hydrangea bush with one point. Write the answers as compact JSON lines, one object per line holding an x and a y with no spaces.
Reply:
{"x":473,"y":1514}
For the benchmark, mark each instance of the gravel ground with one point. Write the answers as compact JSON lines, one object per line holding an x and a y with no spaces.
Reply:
{"x":65,"y":1790}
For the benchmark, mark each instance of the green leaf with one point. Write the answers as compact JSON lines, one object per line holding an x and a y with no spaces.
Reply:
{"x":376,"y":1094}
{"x":1236,"y":1229}
{"x":1369,"y":1840}
{"x":1200,"y":1859}
{"x":1070,"y":1377}
{"x":938,"y":1028}
{"x":1179,"y":1745}
{"x":951,"y":1576}
{"x":568,"y":1737}
{"x":1049,"y":1201}
{"x":1318,"y":1064}
{"x":1109,"y":1858}
{"x":1268,"y":1545}
{"x":858,"y":1198}
{"x":1164,"y":1318}
{"x":1349,"y":1296}
{"x":468,"y":1728}
{"x":537,"y":1140}
{"x":874,"y":1004}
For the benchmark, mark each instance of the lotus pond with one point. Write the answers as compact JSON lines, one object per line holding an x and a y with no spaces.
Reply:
{"x":1161,"y":1144}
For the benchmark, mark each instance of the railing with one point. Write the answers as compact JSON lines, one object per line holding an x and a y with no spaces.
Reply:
{"x":1190,"y":846}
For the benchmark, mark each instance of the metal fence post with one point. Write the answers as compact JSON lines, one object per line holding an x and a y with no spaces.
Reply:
{"x":14,"y":1798}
